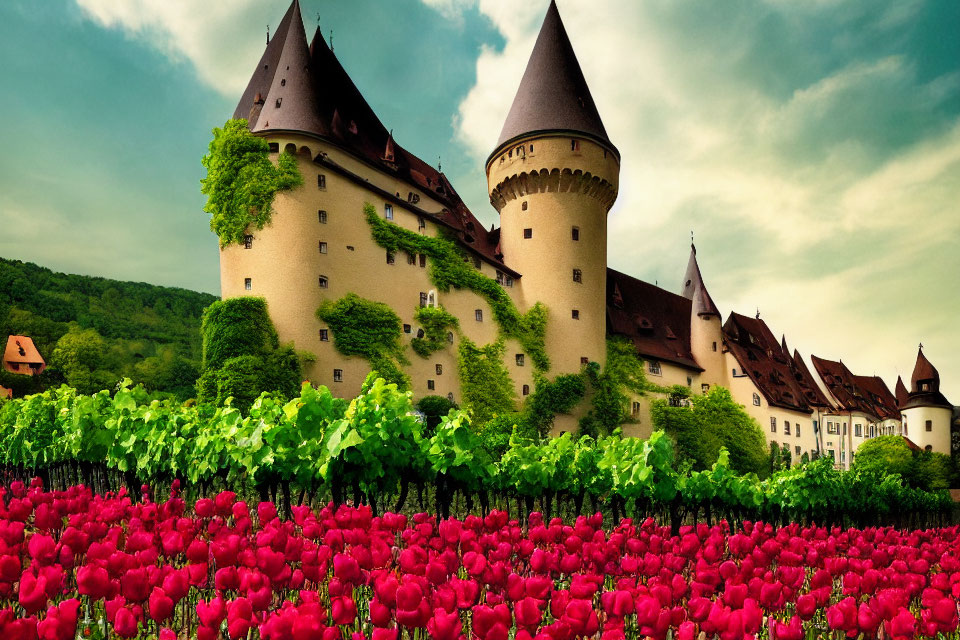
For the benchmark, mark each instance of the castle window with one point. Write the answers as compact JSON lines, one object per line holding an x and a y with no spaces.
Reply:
{"x":523,"y":207}
{"x":714,"y":346}
{"x":390,"y":258}
{"x":407,"y":328}
{"x":338,"y":375}
{"x":274,"y":147}
{"x":797,"y":426}
{"x":439,"y":369}
{"x":283,"y":82}
{"x":323,"y":247}
{"x":476,"y":263}
{"x":797,"y":450}
{"x":411,"y":259}
{"x":635,"y":408}
{"x":527,"y":233}
{"x":350,"y":247}
{"x":420,"y":333}
{"x":526,"y":390}
{"x":324,"y":335}
{"x":421,"y":223}
{"x":322,"y":216}
{"x":450,"y":396}
{"x":430,"y":385}
{"x":247,"y":284}
{"x":654,"y":368}
{"x":413,"y":197}
{"x":531,"y":148}
{"x":450,"y":337}
{"x":929,"y":425}
{"x":773,"y":424}
{"x":584,"y":360}
{"x":248,"y":242}
{"x":577,"y":275}
{"x":756,"y":399}
{"x":508,"y":281}
{"x":423,"y":298}
{"x":432,"y":299}
{"x":499,"y":277}
{"x":324,"y":282}
{"x":279,"y":100}
{"x":388,"y":211}
{"x":510,"y":153}
{"x":786,"y":428}
{"x":574,"y":145}
{"x":575,"y":314}
{"x":704,"y":388}
{"x":423,"y":260}
{"x":519,"y":359}
{"x":575,"y":234}
{"x":478,"y":314}
{"x":321,"y":181}
{"x":924,"y":386}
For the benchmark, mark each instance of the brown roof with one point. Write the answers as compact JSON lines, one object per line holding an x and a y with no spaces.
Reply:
{"x":773,"y":371}
{"x":306,"y":89}
{"x":695,"y":290}
{"x":866,"y":394}
{"x":655,"y":320}
{"x":811,"y":390}
{"x":21,"y":356}
{"x":883,"y":402}
{"x":925,"y":385}
{"x":553,"y":94}
{"x":901,"y":392}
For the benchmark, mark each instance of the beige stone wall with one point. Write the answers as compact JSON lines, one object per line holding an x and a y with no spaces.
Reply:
{"x":670,"y":374}
{"x":542,"y":185}
{"x":706,"y":344}
{"x":285,"y":264}
{"x":938,"y":438}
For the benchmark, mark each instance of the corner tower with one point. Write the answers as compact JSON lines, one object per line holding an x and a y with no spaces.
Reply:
{"x":553,"y":177}
{"x":706,"y":331}
{"x":927,"y":414}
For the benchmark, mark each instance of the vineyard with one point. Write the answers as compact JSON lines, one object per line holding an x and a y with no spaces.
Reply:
{"x":77,"y":565}
{"x":374,"y":450}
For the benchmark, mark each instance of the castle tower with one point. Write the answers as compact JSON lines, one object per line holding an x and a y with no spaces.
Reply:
{"x":706,"y":331}
{"x":927,"y":415}
{"x":553,"y":177}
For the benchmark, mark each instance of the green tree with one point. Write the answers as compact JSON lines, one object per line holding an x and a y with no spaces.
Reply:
{"x":241,"y":182}
{"x":79,"y":356}
{"x":885,"y":455}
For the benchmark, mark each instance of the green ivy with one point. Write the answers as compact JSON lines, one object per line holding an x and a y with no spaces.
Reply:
{"x":551,"y":397}
{"x":370,"y":330}
{"x":241,"y":181}
{"x":485,"y":383}
{"x":435,"y":322}
{"x":448,"y":268}
{"x":623,"y":373}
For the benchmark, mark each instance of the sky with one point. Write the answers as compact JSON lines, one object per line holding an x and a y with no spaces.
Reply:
{"x":812,"y":147}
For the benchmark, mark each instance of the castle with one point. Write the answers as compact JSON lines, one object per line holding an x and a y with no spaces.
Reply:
{"x":553,"y":177}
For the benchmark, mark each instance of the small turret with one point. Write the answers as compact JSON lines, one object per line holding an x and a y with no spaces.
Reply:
{"x":901,"y":392}
{"x":706,"y":331}
{"x":927,"y":414}
{"x":695,"y":290}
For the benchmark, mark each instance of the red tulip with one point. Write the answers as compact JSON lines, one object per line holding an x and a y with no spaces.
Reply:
{"x":160,"y":605}
{"x":444,"y":626}
{"x":528,"y":614}
{"x":239,"y":617}
{"x":61,"y":621}
{"x":33,"y":592}
{"x":343,"y":610}
{"x":125,"y":623}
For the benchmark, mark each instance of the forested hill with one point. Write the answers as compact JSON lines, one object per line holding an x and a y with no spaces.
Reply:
{"x":94,"y":331}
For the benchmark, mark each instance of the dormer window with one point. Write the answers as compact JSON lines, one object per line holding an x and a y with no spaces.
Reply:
{"x":924,"y":386}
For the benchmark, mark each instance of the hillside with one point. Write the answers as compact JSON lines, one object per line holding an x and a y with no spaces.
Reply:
{"x":94,"y":331}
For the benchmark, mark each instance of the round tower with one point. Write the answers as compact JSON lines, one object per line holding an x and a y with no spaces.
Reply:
{"x":927,"y":414}
{"x":706,"y":332}
{"x":553,"y":177}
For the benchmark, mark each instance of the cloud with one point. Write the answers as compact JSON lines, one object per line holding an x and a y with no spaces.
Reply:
{"x":219,"y":39}
{"x":814,"y":148}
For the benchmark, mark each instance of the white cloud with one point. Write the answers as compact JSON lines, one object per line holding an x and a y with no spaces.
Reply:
{"x":770,"y":179}
{"x":219,"y":39}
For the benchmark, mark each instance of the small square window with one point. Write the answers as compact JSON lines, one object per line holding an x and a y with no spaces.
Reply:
{"x":527,"y":233}
{"x":526,"y":390}
{"x":499,"y":277}
{"x":323,"y":247}
{"x":423,"y":260}
{"x":575,"y":234}
{"x":322,"y":216}
{"x":531,"y":148}
{"x":577,"y":275}
{"x":431,"y":385}
{"x":247,"y":284}
{"x":575,"y":314}
{"x":523,"y":206}
{"x":274,"y":147}
{"x":338,"y":375}
{"x":519,"y":358}
{"x":439,"y":369}
{"x":653,"y":367}
{"x":584,"y":360}
{"x":388,"y":211}
{"x":321,"y":181}
{"x":797,"y":450}
{"x":507,"y":280}
{"x":478,"y":315}
{"x":407,"y":328}
{"x":324,"y":282}
{"x":324,"y":335}
{"x":704,"y":388}
{"x":390,"y":258}
{"x":929,"y":425}
{"x":248,"y":242}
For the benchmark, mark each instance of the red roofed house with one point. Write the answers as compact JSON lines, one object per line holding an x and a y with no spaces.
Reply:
{"x":21,"y":356}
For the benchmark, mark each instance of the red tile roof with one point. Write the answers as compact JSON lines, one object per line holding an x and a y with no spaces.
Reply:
{"x":21,"y":356}
{"x":655,"y":320}
{"x":925,"y":385}
{"x":866,"y":394}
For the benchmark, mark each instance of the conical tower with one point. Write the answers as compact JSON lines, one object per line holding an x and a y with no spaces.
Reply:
{"x":706,"y":331}
{"x":553,"y":177}
{"x":927,"y":414}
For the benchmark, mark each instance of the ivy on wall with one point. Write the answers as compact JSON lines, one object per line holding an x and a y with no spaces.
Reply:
{"x":449,"y":269}
{"x":436,"y":323}
{"x":622,"y":374}
{"x":241,"y":181}
{"x":551,"y":397}
{"x":370,"y":330}
{"x":485,"y":383}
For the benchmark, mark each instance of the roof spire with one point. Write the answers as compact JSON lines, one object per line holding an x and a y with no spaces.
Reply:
{"x":553,"y":94}
{"x":268,"y":35}
{"x":695,"y":290}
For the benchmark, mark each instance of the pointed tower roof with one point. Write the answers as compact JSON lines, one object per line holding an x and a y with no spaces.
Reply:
{"x":901,"y":392}
{"x":281,"y":94}
{"x":553,"y":94}
{"x":925,"y":385}
{"x":924,"y":371}
{"x":783,"y":345}
{"x":695,"y":290}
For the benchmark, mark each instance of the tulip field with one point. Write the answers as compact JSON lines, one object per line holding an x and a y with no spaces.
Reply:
{"x":74,"y":564}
